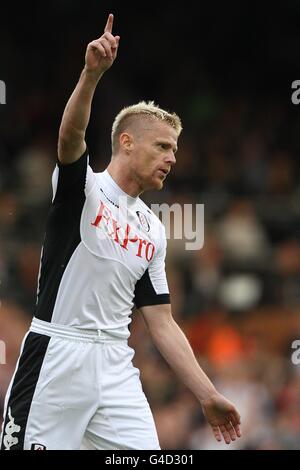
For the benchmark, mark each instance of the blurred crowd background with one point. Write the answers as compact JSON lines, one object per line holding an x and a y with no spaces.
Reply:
{"x":227,"y":71}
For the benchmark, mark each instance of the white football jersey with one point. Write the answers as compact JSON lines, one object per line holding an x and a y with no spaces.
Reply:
{"x":103,"y":252}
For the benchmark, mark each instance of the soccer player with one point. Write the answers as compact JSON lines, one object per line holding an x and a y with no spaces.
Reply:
{"x":104,"y":251}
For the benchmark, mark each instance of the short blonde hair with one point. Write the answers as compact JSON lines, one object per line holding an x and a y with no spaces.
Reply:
{"x":148,"y":109}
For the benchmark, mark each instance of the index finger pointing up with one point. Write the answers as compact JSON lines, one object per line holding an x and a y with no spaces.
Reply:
{"x":109,"y":23}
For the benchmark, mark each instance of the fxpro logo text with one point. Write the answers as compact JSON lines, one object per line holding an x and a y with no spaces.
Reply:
{"x":2,"y":92}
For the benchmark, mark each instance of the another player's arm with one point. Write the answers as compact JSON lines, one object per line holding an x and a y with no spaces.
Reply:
{"x":100,"y":55}
{"x":175,"y":348}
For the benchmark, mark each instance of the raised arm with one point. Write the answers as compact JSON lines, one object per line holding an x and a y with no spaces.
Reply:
{"x":175,"y":348}
{"x":100,"y":56}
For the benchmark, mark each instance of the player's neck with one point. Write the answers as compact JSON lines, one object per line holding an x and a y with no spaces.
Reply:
{"x":124,"y":179}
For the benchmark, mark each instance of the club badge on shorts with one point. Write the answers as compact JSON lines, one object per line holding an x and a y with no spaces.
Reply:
{"x":38,"y":447}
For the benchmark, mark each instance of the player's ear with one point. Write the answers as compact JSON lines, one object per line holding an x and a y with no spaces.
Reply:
{"x":126,"y":142}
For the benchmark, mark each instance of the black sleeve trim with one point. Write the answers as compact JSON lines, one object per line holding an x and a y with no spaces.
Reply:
{"x":145,"y":294}
{"x":71,"y":178}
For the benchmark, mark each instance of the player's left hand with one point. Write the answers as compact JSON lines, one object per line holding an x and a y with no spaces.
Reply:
{"x":223,"y":418}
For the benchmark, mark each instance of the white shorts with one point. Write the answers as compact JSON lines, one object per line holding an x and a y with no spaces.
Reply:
{"x":76,"y":390}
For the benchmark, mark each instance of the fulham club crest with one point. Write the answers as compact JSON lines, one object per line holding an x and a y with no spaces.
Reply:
{"x":144,"y":222}
{"x":38,"y":447}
